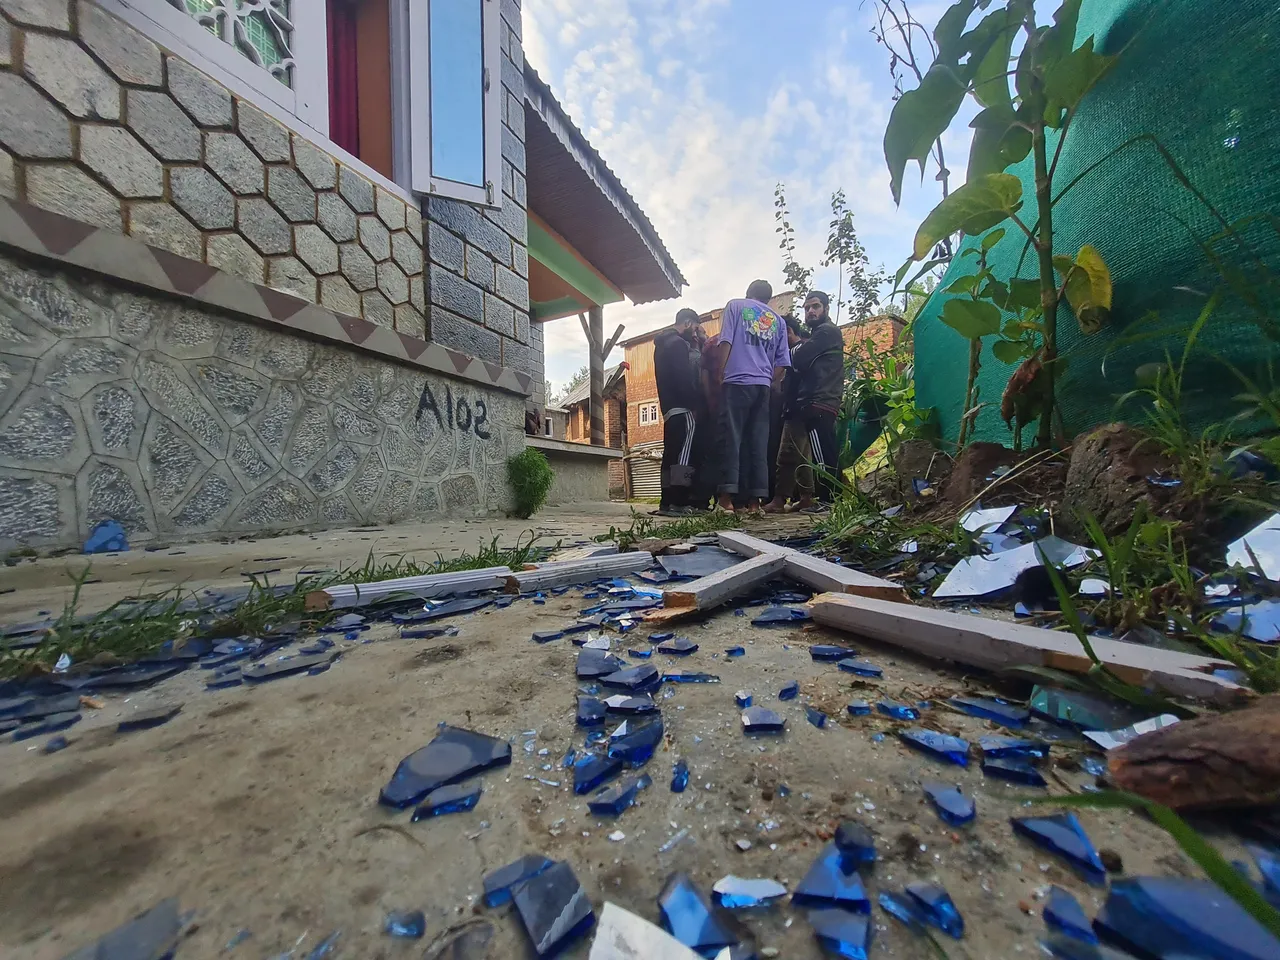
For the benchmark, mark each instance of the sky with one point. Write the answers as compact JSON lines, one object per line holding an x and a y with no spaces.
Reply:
{"x":702,"y":106}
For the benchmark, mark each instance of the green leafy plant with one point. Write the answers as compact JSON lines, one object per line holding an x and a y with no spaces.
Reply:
{"x":1052,"y":75}
{"x":530,"y":476}
{"x":644,"y":527}
{"x":1208,"y":859}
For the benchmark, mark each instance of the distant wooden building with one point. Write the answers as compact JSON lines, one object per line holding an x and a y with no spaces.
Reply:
{"x":578,"y":420}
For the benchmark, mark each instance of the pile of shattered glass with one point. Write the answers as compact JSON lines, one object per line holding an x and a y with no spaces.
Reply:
{"x":1011,"y":544}
{"x":619,"y":701}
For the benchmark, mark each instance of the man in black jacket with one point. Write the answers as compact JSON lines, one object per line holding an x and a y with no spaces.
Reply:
{"x":814,"y":402}
{"x":678,"y":376}
{"x":820,"y":390}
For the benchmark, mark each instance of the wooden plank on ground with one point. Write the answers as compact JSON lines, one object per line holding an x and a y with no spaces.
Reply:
{"x":711,"y":591}
{"x":822,"y":575}
{"x":995,"y":645}
{"x":424,"y":587}
{"x":563,"y":573}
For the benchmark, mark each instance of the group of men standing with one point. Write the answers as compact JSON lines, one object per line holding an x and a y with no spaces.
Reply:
{"x":749,"y":416}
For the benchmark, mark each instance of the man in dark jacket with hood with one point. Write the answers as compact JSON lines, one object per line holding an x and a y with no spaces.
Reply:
{"x":678,"y":375}
{"x":818,"y":385}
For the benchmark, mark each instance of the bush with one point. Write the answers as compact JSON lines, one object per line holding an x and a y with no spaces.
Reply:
{"x":530,"y":477}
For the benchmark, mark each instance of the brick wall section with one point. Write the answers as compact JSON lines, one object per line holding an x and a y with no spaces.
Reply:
{"x":884,"y":331}
{"x":477,"y":280}
{"x":100,"y":124}
{"x":613,"y":414}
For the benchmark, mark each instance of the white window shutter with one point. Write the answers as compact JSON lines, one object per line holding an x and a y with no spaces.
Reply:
{"x":455,"y":99}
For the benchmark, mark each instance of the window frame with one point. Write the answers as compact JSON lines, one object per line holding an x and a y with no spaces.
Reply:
{"x":419,"y":47}
{"x":304,"y":107}
{"x":649,"y":414}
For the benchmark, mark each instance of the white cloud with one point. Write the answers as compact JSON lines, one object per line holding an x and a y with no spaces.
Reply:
{"x":637,"y":76}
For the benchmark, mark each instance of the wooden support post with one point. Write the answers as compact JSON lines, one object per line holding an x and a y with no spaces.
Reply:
{"x":995,"y":645}
{"x":595,"y":407}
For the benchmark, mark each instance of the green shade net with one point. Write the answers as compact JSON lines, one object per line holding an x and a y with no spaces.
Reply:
{"x":1203,"y":77}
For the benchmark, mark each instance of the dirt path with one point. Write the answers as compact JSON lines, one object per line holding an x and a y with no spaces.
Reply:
{"x":257,"y":806}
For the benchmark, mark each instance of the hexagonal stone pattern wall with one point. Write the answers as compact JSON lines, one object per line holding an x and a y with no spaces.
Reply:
{"x":182,"y":423}
{"x":168,"y":155}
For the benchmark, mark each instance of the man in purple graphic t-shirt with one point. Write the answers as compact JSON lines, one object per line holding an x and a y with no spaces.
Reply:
{"x":753,"y":344}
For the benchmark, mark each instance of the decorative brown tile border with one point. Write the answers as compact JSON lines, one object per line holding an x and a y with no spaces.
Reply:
{"x":63,"y":240}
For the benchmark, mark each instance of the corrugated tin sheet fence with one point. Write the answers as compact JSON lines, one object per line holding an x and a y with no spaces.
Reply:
{"x":645,"y":464}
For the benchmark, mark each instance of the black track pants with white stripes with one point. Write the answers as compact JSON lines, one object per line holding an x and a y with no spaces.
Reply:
{"x":679,"y":433}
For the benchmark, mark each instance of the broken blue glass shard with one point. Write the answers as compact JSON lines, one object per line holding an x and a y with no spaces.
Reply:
{"x":858,"y":708}
{"x":832,"y":881}
{"x":842,"y":934}
{"x":50,"y":724}
{"x":546,"y":636}
{"x":107,"y":537}
{"x":659,"y":637}
{"x":638,"y":679}
{"x":568,"y":760}
{"x":145,"y":719}
{"x":743,"y":699}
{"x":902,"y":908}
{"x":1083,"y":711}
{"x":689,"y":676}
{"x":994,"y":746}
{"x":348,"y":621}
{"x":1005,"y":714}
{"x":623,"y":704}
{"x":937,"y":745}
{"x":590,"y":773}
{"x":829,"y":653}
{"x":897,"y":711}
{"x":153,"y":935}
{"x":1268,"y":862}
{"x":1021,"y":611}
{"x":688,"y":917}
{"x":582,"y":626}
{"x":640,"y":654}
{"x":815,"y":716}
{"x":455,"y":754}
{"x":679,"y":646}
{"x":457,"y":605}
{"x":986,"y":574}
{"x":590,"y":711}
{"x":497,"y":885}
{"x":761,"y":720}
{"x":415,"y":633}
{"x":735,"y":652}
{"x":226,"y":677}
{"x":855,"y":842}
{"x":31,"y":708}
{"x":774,"y":616}
{"x":409,"y":924}
{"x":1094,"y":766}
{"x":935,"y":905}
{"x":1014,"y":770}
{"x":790,"y":691}
{"x":454,"y":798}
{"x":320,"y":646}
{"x":596,"y":643}
{"x":54,"y":744}
{"x":599,"y":663}
{"x":951,"y":804}
{"x":1176,"y":917}
{"x":274,"y":669}
{"x":1063,"y":835}
{"x":679,"y":776}
{"x":1258,"y":621}
{"x":859,"y":666}
{"x":639,"y":742}
{"x":742,"y":893}
{"x":610,"y":801}
{"x":554,"y":909}
{"x":124,"y":677}
{"x":1063,"y":914}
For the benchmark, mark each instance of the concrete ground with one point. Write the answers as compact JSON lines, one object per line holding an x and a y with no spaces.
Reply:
{"x":257,"y":806}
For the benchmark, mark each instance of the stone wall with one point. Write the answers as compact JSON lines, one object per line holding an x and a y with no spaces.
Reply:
{"x":478,"y":275}
{"x":180,"y":421}
{"x":102,"y":125}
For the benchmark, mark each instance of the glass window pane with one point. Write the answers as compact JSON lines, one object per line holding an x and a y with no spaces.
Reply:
{"x":457,"y":91}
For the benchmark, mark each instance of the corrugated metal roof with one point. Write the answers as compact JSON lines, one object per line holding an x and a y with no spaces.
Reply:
{"x":582,"y":392}
{"x":575,"y":192}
